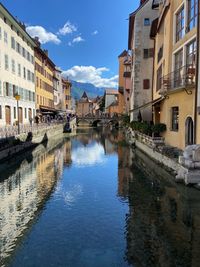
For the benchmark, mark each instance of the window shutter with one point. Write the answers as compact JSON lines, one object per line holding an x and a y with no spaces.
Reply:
{"x":146,"y":84}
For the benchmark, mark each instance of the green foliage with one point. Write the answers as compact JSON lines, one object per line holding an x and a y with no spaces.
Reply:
{"x":159,"y":128}
{"x":126,"y":119}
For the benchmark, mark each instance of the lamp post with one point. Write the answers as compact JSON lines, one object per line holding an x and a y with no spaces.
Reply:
{"x":17,"y":97}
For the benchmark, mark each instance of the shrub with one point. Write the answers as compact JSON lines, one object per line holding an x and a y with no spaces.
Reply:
{"x":159,"y":128}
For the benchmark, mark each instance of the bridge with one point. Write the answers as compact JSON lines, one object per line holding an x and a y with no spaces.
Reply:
{"x":94,"y":121}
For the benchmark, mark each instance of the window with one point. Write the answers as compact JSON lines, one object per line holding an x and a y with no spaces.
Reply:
{"x":18,"y":48}
{"x":13,"y":42}
{"x":19,"y":70}
{"x":6,"y":62}
{"x":0,"y":112}
{"x":146,"y":84}
{"x":28,"y":75}
{"x":178,"y":68}
{"x":28,"y":56}
{"x":13,"y":66}
{"x":191,"y":53}
{"x":146,"y":22}
{"x":148,"y":53}
{"x":25,"y":113}
{"x":0,"y":88}
{"x":5,"y":37}
{"x":175,"y":119}
{"x":180,"y":22}
{"x":23,"y":52}
{"x":159,"y":78}
{"x":24,"y":73}
{"x":192,"y":14}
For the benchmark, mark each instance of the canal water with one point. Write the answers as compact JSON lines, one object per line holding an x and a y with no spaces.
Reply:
{"x":92,"y":201}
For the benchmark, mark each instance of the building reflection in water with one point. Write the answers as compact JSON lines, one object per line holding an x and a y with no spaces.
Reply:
{"x":23,"y":194}
{"x":163,"y":224}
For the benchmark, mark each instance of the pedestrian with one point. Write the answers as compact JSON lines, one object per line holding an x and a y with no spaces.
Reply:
{"x":36,"y":120}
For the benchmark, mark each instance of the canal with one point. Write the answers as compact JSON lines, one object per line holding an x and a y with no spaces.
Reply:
{"x":92,"y":201}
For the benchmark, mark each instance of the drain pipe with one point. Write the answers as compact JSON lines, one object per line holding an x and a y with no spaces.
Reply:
{"x":197,"y":74}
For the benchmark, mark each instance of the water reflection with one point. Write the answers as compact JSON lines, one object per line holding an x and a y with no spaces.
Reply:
{"x":164,"y":219}
{"x":92,"y":201}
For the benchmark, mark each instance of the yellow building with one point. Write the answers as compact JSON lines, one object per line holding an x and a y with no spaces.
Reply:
{"x":67,"y":93}
{"x":44,"y":70}
{"x":175,"y":34}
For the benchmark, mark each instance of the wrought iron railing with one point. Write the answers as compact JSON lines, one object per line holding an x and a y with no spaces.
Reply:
{"x":185,"y":77}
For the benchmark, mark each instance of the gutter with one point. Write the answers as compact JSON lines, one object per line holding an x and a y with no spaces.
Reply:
{"x":197,"y":74}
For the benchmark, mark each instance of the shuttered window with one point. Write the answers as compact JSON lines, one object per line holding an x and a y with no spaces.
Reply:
{"x":146,"y":84}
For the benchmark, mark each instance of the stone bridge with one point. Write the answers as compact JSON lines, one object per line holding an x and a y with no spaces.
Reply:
{"x":94,"y":121}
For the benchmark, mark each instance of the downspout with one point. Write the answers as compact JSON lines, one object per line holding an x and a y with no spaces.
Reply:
{"x":153,"y":72}
{"x":197,"y":75}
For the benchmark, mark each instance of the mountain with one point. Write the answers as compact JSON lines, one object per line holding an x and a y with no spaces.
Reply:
{"x":91,"y":90}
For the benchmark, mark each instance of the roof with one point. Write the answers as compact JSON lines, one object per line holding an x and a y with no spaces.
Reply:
{"x":123,"y":54}
{"x":84,"y":95}
{"x":111,"y":92}
{"x":17,"y":24}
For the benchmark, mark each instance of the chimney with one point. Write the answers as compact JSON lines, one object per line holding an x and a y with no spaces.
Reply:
{"x":37,"y":41}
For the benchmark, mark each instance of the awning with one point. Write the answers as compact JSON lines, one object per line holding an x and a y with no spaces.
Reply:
{"x":151,"y":103}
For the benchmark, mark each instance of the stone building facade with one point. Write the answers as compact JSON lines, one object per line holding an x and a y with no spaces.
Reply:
{"x":142,"y":48}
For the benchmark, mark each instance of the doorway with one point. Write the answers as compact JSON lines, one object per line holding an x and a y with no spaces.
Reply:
{"x":189,"y":131}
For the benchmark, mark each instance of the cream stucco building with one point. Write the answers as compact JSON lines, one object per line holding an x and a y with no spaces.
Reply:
{"x":175,"y":70}
{"x":16,"y":71}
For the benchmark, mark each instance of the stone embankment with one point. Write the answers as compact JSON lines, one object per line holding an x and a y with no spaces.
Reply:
{"x":184,"y":165}
{"x":19,"y":143}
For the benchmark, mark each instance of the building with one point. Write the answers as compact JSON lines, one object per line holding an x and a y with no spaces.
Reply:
{"x":67,"y":95}
{"x":16,"y":71}
{"x":175,"y":70}
{"x":125,"y":80}
{"x":142,"y":50}
{"x":197,"y":114}
{"x":111,"y":98}
{"x":44,"y":71}
{"x":84,"y":106}
{"x":59,"y":103}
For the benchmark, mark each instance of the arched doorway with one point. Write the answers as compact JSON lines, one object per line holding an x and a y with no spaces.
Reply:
{"x":189,"y":131}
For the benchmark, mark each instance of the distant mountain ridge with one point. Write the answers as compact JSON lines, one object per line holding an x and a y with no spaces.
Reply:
{"x":91,"y":90}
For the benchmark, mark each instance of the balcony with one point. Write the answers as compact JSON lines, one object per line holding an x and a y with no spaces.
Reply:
{"x":183,"y":78}
{"x":127,"y":74}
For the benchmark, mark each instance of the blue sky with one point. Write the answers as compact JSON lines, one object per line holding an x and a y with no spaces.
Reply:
{"x":84,"y":37}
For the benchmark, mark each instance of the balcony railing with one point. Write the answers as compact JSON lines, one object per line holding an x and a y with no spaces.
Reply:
{"x":183,"y":78}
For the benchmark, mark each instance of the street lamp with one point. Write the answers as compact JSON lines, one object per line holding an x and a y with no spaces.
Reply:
{"x":17,"y":97}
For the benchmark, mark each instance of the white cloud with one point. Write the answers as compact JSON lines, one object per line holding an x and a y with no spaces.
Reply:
{"x":95,"y":32}
{"x":43,"y":35}
{"x":78,"y":39}
{"x":67,"y":28}
{"x":95,"y":154}
{"x":90,"y":74}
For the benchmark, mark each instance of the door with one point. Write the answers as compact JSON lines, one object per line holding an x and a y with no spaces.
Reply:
{"x":20,"y":115}
{"x":189,"y":132}
{"x":8,"y":115}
